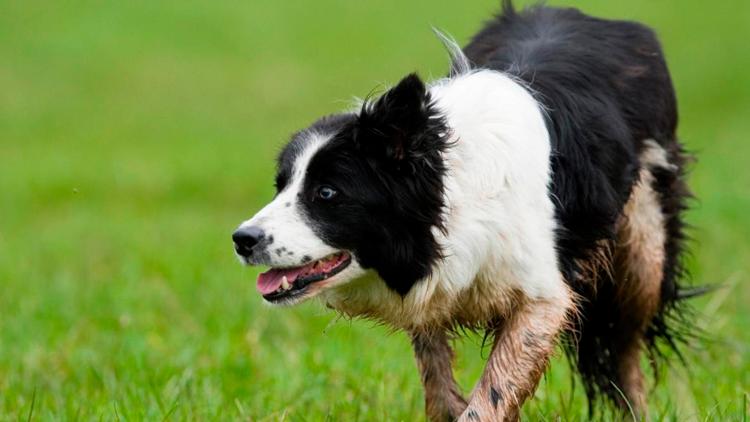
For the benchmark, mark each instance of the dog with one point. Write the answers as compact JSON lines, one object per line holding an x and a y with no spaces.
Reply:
{"x":535,"y":194}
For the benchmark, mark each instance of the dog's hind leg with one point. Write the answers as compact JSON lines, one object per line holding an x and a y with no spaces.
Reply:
{"x":443,"y":399}
{"x":639,"y":268}
{"x":519,"y":357}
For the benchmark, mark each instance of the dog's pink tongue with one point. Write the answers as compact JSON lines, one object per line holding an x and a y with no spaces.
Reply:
{"x":270,"y":281}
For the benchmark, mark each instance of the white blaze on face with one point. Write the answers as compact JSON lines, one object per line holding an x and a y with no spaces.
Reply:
{"x":289,"y":236}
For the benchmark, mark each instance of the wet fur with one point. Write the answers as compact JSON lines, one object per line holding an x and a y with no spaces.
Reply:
{"x":536,"y":193}
{"x":615,"y":141}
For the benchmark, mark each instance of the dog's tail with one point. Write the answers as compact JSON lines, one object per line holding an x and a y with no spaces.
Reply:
{"x":460,"y":64}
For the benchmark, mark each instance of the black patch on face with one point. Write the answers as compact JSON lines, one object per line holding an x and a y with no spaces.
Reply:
{"x":386,"y":166}
{"x":472,"y":415}
{"x":298,"y":143}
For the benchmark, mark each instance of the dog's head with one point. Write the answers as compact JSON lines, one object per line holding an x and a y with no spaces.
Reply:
{"x":355,"y":192}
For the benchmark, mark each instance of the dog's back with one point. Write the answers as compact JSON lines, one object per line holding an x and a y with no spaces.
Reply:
{"x":617,"y":176}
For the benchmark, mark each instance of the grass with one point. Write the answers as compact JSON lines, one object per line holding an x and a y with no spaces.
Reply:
{"x":135,"y":135}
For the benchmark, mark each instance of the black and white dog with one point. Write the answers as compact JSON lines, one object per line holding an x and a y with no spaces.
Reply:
{"x":536,"y":193}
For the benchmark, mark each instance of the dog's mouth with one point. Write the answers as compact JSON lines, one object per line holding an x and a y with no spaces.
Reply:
{"x":278,"y":284}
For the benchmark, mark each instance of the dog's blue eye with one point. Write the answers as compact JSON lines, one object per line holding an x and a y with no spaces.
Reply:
{"x":326,"y":193}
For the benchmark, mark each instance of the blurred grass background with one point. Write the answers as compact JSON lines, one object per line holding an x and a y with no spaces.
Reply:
{"x":134,"y":136}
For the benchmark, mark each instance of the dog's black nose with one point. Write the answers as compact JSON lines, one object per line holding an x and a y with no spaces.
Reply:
{"x":245,"y":238}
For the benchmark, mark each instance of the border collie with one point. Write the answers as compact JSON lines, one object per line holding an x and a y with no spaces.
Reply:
{"x":535,"y":194}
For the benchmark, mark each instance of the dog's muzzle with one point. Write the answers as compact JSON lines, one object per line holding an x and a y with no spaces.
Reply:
{"x":246,"y":240}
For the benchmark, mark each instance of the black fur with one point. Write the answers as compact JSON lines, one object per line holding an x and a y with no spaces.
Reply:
{"x":606,"y":89}
{"x":386,"y":164}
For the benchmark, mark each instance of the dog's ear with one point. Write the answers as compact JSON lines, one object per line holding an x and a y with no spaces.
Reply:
{"x":391,"y":126}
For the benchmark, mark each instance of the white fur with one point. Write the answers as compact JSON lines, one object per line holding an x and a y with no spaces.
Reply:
{"x":460,"y":64}
{"x":285,"y":223}
{"x":656,"y":156}
{"x":291,"y":230}
{"x":500,"y":220}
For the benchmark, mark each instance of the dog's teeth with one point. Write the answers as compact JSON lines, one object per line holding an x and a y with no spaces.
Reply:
{"x":285,"y":283}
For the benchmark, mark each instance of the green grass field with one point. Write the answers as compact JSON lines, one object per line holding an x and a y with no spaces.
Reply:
{"x":134,"y":137}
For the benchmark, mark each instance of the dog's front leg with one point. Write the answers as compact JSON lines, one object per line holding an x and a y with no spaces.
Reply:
{"x":443,"y":399}
{"x":520,"y":354}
